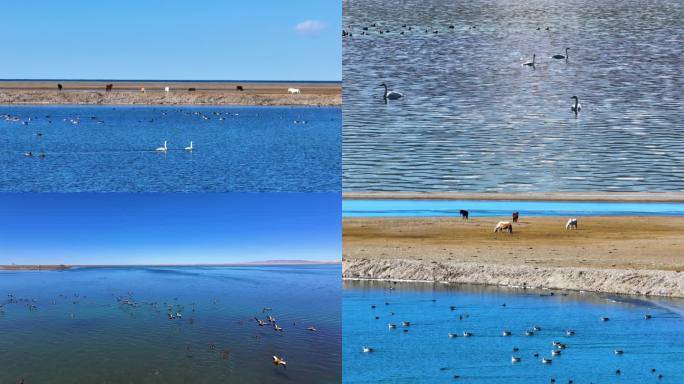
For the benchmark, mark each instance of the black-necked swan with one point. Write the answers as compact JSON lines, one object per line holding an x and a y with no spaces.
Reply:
{"x":531,"y":63}
{"x":391,"y":95}
{"x":561,"y":56}
{"x":576,"y":107}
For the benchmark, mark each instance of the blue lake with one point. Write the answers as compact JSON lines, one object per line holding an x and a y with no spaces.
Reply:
{"x":425,"y":353}
{"x":435,"y":208}
{"x":112,"y":325}
{"x":474,"y":119}
{"x":112,"y":149}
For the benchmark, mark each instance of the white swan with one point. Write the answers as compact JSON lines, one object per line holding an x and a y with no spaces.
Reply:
{"x":391,"y":95}
{"x":164,"y":148}
{"x":190,"y":148}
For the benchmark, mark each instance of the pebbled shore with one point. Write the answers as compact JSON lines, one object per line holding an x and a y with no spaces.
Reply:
{"x":615,"y":281}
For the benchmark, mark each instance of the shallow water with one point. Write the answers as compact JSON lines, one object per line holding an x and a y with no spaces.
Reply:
{"x":474,"y":119}
{"x":81,"y":333}
{"x":112,"y":148}
{"x":436,"y":208}
{"x":427,"y":354}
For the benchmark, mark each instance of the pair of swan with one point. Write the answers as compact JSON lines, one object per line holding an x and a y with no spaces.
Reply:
{"x":166,"y":149}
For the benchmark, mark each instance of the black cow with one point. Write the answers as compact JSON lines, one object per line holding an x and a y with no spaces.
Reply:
{"x":515,"y":216}
{"x":192,"y":89}
{"x":59,"y":86}
{"x":464,"y":214}
{"x":239,"y":88}
{"x":108,"y":87}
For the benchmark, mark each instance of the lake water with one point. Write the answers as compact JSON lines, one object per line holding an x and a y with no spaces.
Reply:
{"x":474,"y":119}
{"x":83,"y":330}
{"x":426,"y":354}
{"x":112,"y":148}
{"x":475,"y":208}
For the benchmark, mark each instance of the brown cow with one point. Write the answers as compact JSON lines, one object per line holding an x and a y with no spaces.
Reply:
{"x":239,"y":88}
{"x":515,"y":216}
{"x":109,"y":87}
{"x":192,"y":89}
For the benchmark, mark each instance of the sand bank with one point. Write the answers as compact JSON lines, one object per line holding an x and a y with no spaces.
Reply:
{"x":34,"y":267}
{"x":124,"y":93}
{"x":629,"y":255}
{"x":523,"y":196}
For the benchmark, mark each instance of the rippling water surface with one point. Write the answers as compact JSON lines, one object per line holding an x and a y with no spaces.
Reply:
{"x":426,"y":354}
{"x":112,"y":148}
{"x":473,"y":118}
{"x":82,"y":330}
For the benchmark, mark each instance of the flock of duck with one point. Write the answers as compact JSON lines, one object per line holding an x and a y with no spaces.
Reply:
{"x":557,"y":347}
{"x":173,"y":312}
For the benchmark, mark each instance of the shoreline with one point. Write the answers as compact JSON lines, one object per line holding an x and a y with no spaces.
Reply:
{"x":607,"y":281}
{"x":204,"y":93}
{"x":660,"y":197}
{"x":607,"y":254}
{"x":53,"y":267}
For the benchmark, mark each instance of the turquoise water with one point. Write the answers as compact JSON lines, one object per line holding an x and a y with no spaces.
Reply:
{"x":111,"y":325}
{"x":373,"y":208}
{"x":112,"y":149}
{"x":426,"y":354}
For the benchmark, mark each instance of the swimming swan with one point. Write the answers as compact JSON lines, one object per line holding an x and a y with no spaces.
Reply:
{"x":531,"y":63}
{"x":561,"y":56}
{"x":164,"y":148}
{"x":391,"y":95}
{"x":577,"y":107}
{"x":190,"y":148}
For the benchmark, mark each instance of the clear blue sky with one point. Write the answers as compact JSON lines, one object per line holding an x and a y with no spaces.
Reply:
{"x":171,"y":39}
{"x":159,"y":228}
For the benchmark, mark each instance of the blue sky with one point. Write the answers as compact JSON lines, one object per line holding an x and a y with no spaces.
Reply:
{"x":173,"y":228}
{"x":171,"y":39}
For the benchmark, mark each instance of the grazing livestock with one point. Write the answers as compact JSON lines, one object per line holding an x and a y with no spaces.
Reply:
{"x":192,"y":89}
{"x":142,"y":89}
{"x":239,"y":88}
{"x":464,"y":214}
{"x":59,"y":86}
{"x":504,"y":226}
{"x":571,"y":224}
{"x":108,"y":87}
{"x":515,"y":216}
{"x":167,"y":89}
{"x":294,"y":91}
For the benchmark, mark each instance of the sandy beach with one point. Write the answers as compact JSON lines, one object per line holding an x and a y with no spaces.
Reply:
{"x":630,"y":255}
{"x":129,"y":92}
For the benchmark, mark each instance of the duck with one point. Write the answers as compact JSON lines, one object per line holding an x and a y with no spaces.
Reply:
{"x":569,"y":332}
{"x":546,"y":361}
{"x":452,"y":335}
{"x":391,"y":326}
{"x":279,"y":361}
{"x":506,"y":333}
{"x":555,"y":352}
{"x":467,"y":334}
{"x":367,"y":349}
{"x":515,"y":359}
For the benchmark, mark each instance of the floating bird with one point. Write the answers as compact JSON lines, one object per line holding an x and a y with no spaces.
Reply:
{"x":531,"y":63}
{"x":555,"y":352}
{"x":312,"y":329}
{"x":618,"y":351}
{"x":546,"y":361}
{"x":561,"y":56}
{"x":605,"y":319}
{"x":452,"y":335}
{"x":467,"y":334}
{"x":367,"y":349}
{"x":391,"y":326}
{"x":515,"y":359}
{"x":569,"y":332}
{"x":190,"y":148}
{"x":576,"y":107}
{"x":163,"y":149}
{"x":279,"y":361}
{"x":391,"y":95}
{"x":506,"y":333}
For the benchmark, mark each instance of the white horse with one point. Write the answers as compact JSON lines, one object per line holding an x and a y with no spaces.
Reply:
{"x":571,"y":224}
{"x":294,"y":91}
{"x":504,"y":226}
{"x":167,"y":89}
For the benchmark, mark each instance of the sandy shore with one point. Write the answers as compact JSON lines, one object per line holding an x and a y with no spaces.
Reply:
{"x":224,"y":93}
{"x":629,"y":255}
{"x":523,"y":196}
